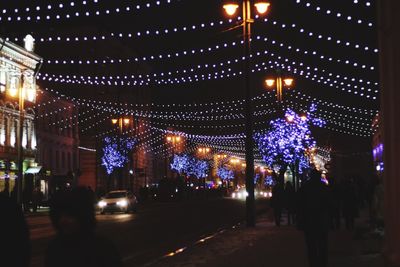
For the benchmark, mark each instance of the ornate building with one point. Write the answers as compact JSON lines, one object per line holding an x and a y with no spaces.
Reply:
{"x":18,"y":68}
{"x":58,"y":140}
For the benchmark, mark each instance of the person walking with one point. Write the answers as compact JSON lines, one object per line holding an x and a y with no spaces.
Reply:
{"x":290,"y":202}
{"x":335,"y":210}
{"x":15,"y":235}
{"x":76,"y":243}
{"x":350,"y":203}
{"x":313,"y":218}
{"x":37,"y":197}
{"x":277,"y":202}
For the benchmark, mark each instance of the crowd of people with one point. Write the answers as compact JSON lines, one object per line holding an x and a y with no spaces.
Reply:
{"x":320,"y":205}
{"x":76,"y":242}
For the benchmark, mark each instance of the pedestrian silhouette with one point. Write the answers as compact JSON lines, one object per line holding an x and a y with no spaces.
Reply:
{"x":335,"y":210}
{"x":37,"y":197}
{"x":290,"y":202}
{"x":350,"y":203}
{"x":15,"y":235}
{"x":313,"y":218}
{"x":277,"y":202}
{"x":76,"y":243}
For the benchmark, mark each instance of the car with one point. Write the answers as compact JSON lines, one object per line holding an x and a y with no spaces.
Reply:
{"x":242,"y":194}
{"x":118,"y":200}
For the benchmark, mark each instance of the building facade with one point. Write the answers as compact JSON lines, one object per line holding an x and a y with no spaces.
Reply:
{"x":18,"y":69}
{"x":58,"y":140}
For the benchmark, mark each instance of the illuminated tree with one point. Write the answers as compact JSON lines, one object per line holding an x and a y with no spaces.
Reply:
{"x":190,"y":166}
{"x":200,"y":168}
{"x":224,"y":173}
{"x":116,"y":153}
{"x":287,"y":142}
{"x":180,"y":163}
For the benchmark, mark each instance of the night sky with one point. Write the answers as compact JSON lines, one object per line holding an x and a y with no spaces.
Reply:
{"x":284,"y":34}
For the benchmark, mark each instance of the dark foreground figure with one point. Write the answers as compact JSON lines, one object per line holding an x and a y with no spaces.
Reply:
{"x":313,"y":218}
{"x":76,"y":244}
{"x":15,"y":234}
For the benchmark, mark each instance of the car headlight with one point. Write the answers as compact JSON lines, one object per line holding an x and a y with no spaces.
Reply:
{"x":102,"y":204}
{"x":233,"y":195}
{"x":122,"y":203}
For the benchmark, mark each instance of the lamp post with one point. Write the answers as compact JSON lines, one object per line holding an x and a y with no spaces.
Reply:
{"x":173,"y":140}
{"x":121,"y":123}
{"x":203,"y":151}
{"x":279,"y":82}
{"x":29,"y":93}
{"x":230,"y":8}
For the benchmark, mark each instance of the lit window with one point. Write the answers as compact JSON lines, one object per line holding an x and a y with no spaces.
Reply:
{"x":3,"y":81}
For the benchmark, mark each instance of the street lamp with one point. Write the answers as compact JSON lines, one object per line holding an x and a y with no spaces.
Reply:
{"x":23,"y":91}
{"x":279,"y":82}
{"x":121,"y":123}
{"x":174,"y":140}
{"x":203,"y":150}
{"x":262,"y":8}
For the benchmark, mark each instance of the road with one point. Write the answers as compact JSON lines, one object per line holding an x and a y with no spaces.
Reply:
{"x":156,"y":230}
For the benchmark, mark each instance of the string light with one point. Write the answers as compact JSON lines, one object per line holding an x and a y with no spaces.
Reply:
{"x":136,"y":35}
{"x":340,"y":16}
{"x":346,"y":81}
{"x":191,"y":52}
{"x":319,"y":37}
{"x":46,"y":13}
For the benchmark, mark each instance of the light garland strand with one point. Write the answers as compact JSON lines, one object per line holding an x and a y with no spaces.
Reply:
{"x":338,"y":15}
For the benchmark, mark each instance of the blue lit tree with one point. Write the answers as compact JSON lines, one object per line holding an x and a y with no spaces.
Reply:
{"x":225,"y":174}
{"x":200,"y":168}
{"x":116,"y":153}
{"x":180,"y":163}
{"x":287,"y":142}
{"x":190,"y":166}
{"x":269,"y":181}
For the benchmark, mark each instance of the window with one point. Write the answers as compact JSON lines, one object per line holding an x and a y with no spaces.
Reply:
{"x":69,"y":158}
{"x":3,"y":81}
{"x":57,"y":160}
{"x":63,"y":159}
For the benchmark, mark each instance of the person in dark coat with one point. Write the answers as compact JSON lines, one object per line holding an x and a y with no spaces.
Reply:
{"x":76,"y":243}
{"x":313,"y":218}
{"x":350,"y":203}
{"x":290,"y":202}
{"x":15,"y":235}
{"x":335,"y":210}
{"x":277,"y":202}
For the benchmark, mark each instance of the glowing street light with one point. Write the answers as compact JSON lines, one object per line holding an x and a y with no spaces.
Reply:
{"x":230,"y":8}
{"x":24,"y":91}
{"x":203,"y":150}
{"x":280,"y":83}
{"x":121,"y":122}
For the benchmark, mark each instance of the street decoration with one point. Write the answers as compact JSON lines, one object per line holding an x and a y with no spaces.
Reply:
{"x":288,"y":141}
{"x":116,"y":152}
{"x":224,"y":173}
{"x":188,"y":165}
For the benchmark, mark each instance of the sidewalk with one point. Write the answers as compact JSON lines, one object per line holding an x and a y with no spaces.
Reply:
{"x":268,"y":245}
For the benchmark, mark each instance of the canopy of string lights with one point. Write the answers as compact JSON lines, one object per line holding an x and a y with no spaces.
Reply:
{"x":178,"y":67}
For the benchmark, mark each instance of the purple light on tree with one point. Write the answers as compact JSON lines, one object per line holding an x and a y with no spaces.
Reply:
{"x":180,"y":163}
{"x":224,"y":173}
{"x":116,"y":155}
{"x":288,"y":139}
{"x":190,"y":166}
